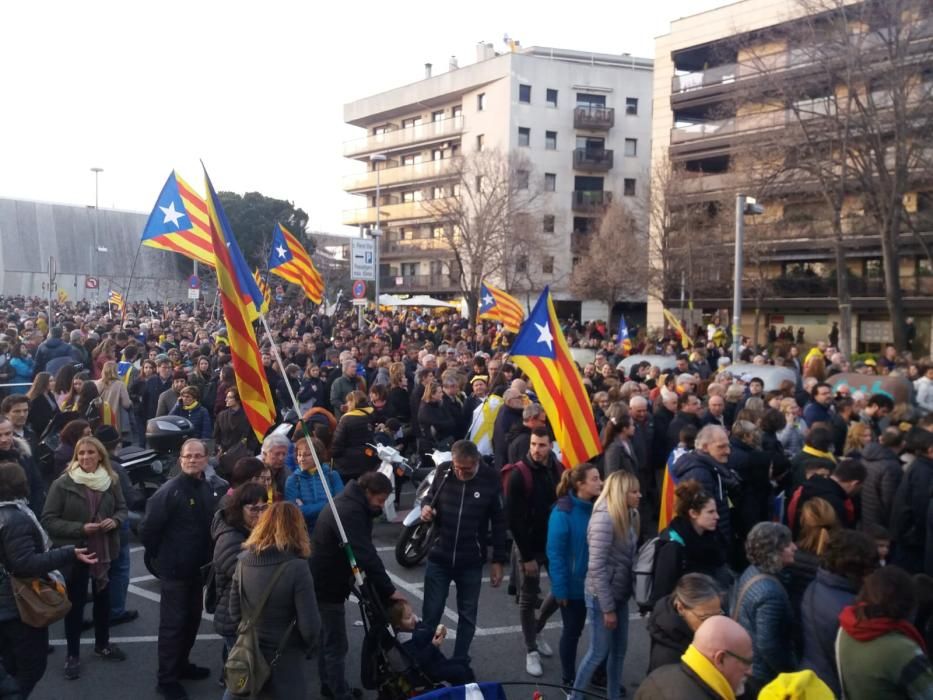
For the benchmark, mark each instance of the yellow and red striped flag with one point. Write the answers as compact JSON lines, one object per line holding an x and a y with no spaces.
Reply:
{"x":289,"y":260}
{"x":179,"y":222}
{"x":114,"y":298}
{"x":264,"y":290}
{"x":541,"y":352}
{"x":238,"y":290}
{"x":496,"y":305}
{"x":685,"y":339}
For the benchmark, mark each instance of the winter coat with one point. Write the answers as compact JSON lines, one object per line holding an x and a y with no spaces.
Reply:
{"x":350,"y":452}
{"x":908,"y":521}
{"x":21,"y":453}
{"x":830,"y":491}
{"x":620,"y":456}
{"x":766,"y":615}
{"x":670,"y":635}
{"x":680,"y":421}
{"x":342,"y":386}
{"x":199,"y":417}
{"x":505,"y":420}
{"x":924,"y":388}
{"x":814,"y":412}
{"x":307,"y":487}
{"x":49,"y":350}
{"x":567,"y":550}
{"x":21,"y":554}
{"x":166,"y":402}
{"x":675,"y":680}
{"x":116,"y":397}
{"x":798,"y":577}
{"x":233,"y":427}
{"x":437,"y":424}
{"x":884,"y":474}
{"x":23,"y":368}
{"x":889,"y":667}
{"x":41,"y":411}
{"x":66,"y":512}
{"x":529,"y":511}
{"x":682,"y":551}
{"x":753,"y":501}
{"x":716,"y":480}
{"x":228,"y":544}
{"x":152,"y":390}
{"x":610,"y":575}
{"x":398,"y":405}
{"x":464,"y":513}
{"x":822,"y":602}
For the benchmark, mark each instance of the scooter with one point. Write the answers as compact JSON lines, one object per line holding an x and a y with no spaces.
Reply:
{"x":392,"y":464}
{"x":417,"y":536}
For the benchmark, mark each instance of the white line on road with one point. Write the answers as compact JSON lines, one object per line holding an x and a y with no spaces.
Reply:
{"x":419,"y":594}
{"x":142,"y":579}
{"x":134,"y":640}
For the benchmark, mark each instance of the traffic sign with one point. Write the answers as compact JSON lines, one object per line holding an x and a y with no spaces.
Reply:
{"x":91,"y":283}
{"x":359,"y":289}
{"x":360,"y":302}
{"x":194,"y":282}
{"x":362,"y":258}
{"x":194,"y":293}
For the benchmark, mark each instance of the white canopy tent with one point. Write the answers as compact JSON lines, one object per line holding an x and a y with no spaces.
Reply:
{"x":419,"y":300}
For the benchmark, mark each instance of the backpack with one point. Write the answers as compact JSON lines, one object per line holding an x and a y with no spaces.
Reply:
{"x":246,"y":670}
{"x":525,"y":471}
{"x":643,"y":569}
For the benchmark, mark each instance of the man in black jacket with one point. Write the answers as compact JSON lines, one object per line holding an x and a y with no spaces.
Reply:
{"x":176,"y":532}
{"x":464,"y":499}
{"x":14,"y":449}
{"x":911,"y":503}
{"x":154,"y":387}
{"x":359,"y":502}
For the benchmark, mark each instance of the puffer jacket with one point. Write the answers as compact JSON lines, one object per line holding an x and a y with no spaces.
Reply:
{"x":350,"y":453}
{"x":823,"y":600}
{"x":908,"y":521}
{"x":883,"y":476}
{"x":228,"y":543}
{"x":567,"y":551}
{"x":767,"y":616}
{"x":682,"y":551}
{"x":670,"y":634}
{"x":610,"y":574}
{"x":715,"y":478}
{"x":21,"y":554}
{"x":307,"y":488}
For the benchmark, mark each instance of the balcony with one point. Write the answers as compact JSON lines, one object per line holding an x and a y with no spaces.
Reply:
{"x":402,"y":138}
{"x":579,"y":242}
{"x":814,"y":289}
{"x":404,"y":211}
{"x":415,"y":246}
{"x":402,"y":284}
{"x":697,"y":80}
{"x":702,"y":130}
{"x":594,"y":118}
{"x":599,"y":160}
{"x":590,"y":201}
{"x":403,"y":174}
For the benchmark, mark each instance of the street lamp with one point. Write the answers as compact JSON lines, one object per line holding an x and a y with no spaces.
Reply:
{"x":744,"y":205}
{"x":375,"y":159}
{"x":97,"y":172}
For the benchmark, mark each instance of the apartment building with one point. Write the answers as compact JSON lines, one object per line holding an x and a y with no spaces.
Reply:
{"x":722,"y":115}
{"x":582,"y":121}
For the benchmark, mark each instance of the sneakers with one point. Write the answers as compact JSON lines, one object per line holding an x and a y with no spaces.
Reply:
{"x":110,"y":653}
{"x":533,"y":664}
{"x":543,"y":647}
{"x":72,"y":668}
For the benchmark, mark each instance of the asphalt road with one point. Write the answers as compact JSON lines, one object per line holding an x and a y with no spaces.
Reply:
{"x":498,"y":651}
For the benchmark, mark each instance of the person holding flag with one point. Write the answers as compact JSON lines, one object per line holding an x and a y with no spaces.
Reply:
{"x":622,"y":337}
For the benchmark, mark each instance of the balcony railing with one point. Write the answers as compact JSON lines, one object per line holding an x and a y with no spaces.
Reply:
{"x":591,"y":201}
{"x":428,"y":131}
{"x":600,"y":118}
{"x":592,"y":159}
{"x":806,"y":287}
{"x":702,"y":130}
{"x":717,"y":75}
{"x":419,"y":283}
{"x":425,"y":209}
{"x":419,"y":172}
{"x":416,"y":245}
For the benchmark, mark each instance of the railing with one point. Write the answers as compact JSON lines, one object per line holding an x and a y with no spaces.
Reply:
{"x":414,"y":245}
{"x":590,"y":200}
{"x":592,"y":159}
{"x":419,"y":283}
{"x":424,"y":209}
{"x":426,"y":131}
{"x":429,"y":170}
{"x":717,"y":75}
{"x":594,"y":117}
{"x":702,"y":130}
{"x":807,"y":287}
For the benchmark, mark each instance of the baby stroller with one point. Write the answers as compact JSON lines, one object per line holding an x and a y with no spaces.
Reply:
{"x":385,"y":666}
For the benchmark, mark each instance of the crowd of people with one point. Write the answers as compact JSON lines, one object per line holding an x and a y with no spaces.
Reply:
{"x":798,"y":549}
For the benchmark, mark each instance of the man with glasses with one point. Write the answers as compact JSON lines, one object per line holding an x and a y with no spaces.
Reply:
{"x":715,"y":665}
{"x":176,"y":532}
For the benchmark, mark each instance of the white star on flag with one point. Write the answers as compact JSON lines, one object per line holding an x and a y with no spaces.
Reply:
{"x":488,"y":300}
{"x":281,"y":252}
{"x":171,"y":214}
{"x":544,"y":335}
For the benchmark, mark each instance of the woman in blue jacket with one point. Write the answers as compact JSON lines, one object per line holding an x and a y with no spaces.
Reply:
{"x":568,"y":554}
{"x":304,"y":487}
{"x":22,"y":364}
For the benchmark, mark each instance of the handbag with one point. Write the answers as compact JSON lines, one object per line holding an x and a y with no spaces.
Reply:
{"x":246,"y":670}
{"x":40,"y":601}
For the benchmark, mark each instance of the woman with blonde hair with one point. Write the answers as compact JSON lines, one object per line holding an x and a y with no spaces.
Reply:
{"x":612,"y":538}
{"x":113,"y":394}
{"x":818,"y":522}
{"x":274,"y":567}
{"x":858,"y":437}
{"x":85,"y":507}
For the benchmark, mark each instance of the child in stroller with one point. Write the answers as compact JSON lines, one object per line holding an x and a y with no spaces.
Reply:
{"x":423,"y":646}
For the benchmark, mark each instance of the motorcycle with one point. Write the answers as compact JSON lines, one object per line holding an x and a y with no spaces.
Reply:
{"x":415,"y":540}
{"x":392,"y":464}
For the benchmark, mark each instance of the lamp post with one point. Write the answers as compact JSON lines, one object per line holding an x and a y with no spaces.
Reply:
{"x":375,"y":159}
{"x":97,"y":172}
{"x":743,"y":205}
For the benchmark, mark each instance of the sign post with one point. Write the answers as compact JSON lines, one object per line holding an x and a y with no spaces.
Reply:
{"x":362,"y":259}
{"x":359,"y":300}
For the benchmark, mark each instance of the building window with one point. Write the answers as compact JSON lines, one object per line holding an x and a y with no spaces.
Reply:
{"x":411,"y":123}
{"x":521,"y":178}
{"x":631,"y":105}
{"x":549,"y":223}
{"x":481,"y":102}
{"x":551,"y":97}
{"x":631,"y":147}
{"x":524,"y":94}
{"x":585,"y":99}
{"x":412,"y":196}
{"x":438,"y":231}
{"x":628,"y":187}
{"x":547,"y":264}
{"x":437,"y":154}
{"x":550,"y":182}
{"x":521,"y":263}
{"x":524,"y":136}
{"x":550,"y":140}
{"x":454,"y":149}
{"x":437,"y":116}
{"x":480,"y":140}
{"x":437,"y":192}
{"x":456,"y":111}
{"x":410,"y":269}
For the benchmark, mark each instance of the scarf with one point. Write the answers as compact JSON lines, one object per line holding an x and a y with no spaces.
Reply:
{"x":23,"y":507}
{"x":98,"y":480}
{"x":865,"y":630}
{"x":192,"y":407}
{"x":819,"y":453}
{"x":708,"y":673}
{"x":98,"y":542}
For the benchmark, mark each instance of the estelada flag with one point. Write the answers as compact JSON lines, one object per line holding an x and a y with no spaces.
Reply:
{"x":497,"y":305}
{"x":179,"y":222}
{"x":289,"y":260}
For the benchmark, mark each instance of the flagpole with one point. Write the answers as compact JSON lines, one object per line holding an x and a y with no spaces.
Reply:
{"x":129,"y":284}
{"x":344,"y":541}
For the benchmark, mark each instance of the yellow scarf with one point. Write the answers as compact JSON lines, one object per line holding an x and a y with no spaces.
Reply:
{"x":708,"y":673}
{"x":192,"y":406}
{"x":819,"y":453}
{"x":97,"y":480}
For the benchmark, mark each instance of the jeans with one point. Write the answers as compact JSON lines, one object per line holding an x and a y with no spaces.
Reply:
{"x":120,"y":574}
{"x":77,"y":592}
{"x":469,"y":580}
{"x":179,"y":620}
{"x":332,"y":660}
{"x":529,"y":589}
{"x":24,"y":653}
{"x":573,"y":616}
{"x":604,"y":644}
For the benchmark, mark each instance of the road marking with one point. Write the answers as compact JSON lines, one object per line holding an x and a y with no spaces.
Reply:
{"x":419,"y":594}
{"x":156,"y":598}
{"x":135,"y":640}
{"x":141,"y":579}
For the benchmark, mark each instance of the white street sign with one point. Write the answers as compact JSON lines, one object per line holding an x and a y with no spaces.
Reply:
{"x":362,"y":259}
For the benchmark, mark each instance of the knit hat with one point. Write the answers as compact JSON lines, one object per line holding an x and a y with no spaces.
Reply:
{"x":803,"y":685}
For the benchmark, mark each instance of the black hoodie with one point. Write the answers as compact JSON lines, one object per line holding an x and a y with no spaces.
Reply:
{"x":670,"y":635}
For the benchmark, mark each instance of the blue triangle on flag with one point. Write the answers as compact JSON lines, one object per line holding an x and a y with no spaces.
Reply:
{"x":280,"y":252}
{"x":169,"y":214}
{"x":536,"y":337}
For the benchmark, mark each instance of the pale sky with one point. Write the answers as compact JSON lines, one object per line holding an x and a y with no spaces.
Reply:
{"x":255,"y":89}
